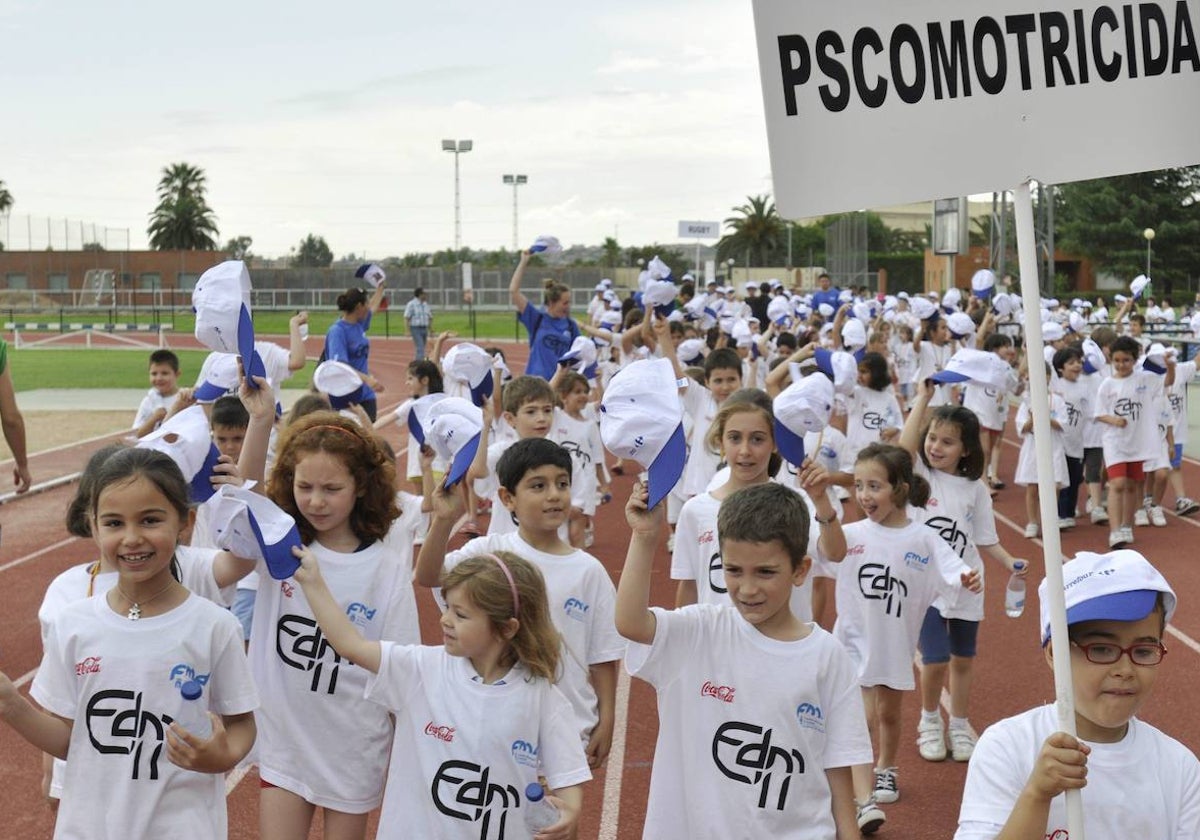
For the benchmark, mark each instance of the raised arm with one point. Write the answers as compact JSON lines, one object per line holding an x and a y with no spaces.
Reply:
{"x":376,"y":298}
{"x":260,"y":403}
{"x":634,"y":619}
{"x":338,"y":629}
{"x":447,"y":506}
{"x":514,"y":285}
{"x":910,"y":436}
{"x":297,"y":356}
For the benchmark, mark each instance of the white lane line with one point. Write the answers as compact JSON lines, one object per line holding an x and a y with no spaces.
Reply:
{"x":84,"y":442}
{"x":235,"y":777}
{"x":38,"y":553}
{"x":24,"y":678}
{"x":1184,"y":637}
{"x":611,"y":809}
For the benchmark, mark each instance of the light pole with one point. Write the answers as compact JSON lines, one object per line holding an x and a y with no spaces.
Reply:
{"x":457,"y":147}
{"x":1148,"y":233}
{"x":729,"y":269}
{"x":516,"y":181}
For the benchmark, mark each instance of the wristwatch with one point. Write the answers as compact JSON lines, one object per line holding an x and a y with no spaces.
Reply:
{"x":821,"y":521}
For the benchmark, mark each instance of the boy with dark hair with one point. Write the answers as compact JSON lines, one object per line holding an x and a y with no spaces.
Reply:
{"x":798,"y":705}
{"x":1137,"y":782}
{"x":535,"y":487}
{"x":164,"y":386}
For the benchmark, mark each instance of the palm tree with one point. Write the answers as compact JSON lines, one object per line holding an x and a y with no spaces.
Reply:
{"x":182,"y":221}
{"x":6,"y":200}
{"x":759,"y":231}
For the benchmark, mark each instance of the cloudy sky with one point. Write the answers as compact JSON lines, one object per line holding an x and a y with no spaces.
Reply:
{"x":328,"y":117}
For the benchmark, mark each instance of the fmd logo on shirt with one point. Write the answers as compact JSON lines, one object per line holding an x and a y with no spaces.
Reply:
{"x":915,"y":561}
{"x":523,"y":752}
{"x":183,"y":672}
{"x":809,"y":716}
{"x":360,"y":614}
{"x":576,"y":609}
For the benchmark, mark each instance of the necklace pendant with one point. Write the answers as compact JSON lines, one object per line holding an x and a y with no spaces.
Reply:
{"x":135,"y":612}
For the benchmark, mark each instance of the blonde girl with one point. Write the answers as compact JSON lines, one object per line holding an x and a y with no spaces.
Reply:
{"x":114,"y":664}
{"x":479,"y":709}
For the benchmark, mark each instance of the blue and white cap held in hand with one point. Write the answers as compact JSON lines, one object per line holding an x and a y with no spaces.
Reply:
{"x":371,"y":273}
{"x":1155,"y":359}
{"x":950,"y":300}
{"x":641,"y":418}
{"x":659,"y":270}
{"x":471,"y":364}
{"x":218,"y":377}
{"x":923,"y":308}
{"x":1118,"y":586}
{"x":545,"y":244}
{"x":660,"y":296}
{"x":978,"y":366}
{"x":1138,"y":285}
{"x":841,"y":367}
{"x":340,"y":382}
{"x":581,"y":355}
{"x":250,"y":525}
{"x":983,"y":282}
{"x":779,"y":311}
{"x":1093,"y":356}
{"x":186,"y":439}
{"x":960,"y":325}
{"x":1053,"y":331}
{"x":854,"y":335}
{"x":690,"y":352}
{"x":454,"y":434}
{"x":804,"y":406}
{"x":221,"y":301}
{"x":419,"y":419}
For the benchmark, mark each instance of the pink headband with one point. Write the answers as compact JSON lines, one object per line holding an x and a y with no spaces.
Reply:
{"x":341,"y":429}
{"x":511,"y":583}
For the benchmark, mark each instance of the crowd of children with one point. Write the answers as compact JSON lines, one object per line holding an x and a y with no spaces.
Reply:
{"x":773,"y":719}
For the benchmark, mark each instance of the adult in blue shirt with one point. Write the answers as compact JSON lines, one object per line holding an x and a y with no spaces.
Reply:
{"x":551,"y":327}
{"x":347,"y":339}
{"x":827,"y":293}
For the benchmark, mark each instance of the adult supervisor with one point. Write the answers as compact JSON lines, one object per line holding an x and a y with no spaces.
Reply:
{"x":347,"y":339}
{"x":419,"y":317}
{"x":550,"y":326}
{"x":13,"y":424}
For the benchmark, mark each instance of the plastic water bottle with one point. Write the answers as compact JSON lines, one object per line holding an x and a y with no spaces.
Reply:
{"x":193,"y":711}
{"x":1014,"y":594}
{"x":540,"y":813}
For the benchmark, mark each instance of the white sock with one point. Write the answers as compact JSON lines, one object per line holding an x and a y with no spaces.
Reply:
{"x":959,"y":723}
{"x":931,"y":717}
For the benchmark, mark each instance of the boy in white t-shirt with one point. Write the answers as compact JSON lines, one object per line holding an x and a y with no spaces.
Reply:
{"x":1177,"y":395}
{"x":744,"y":680}
{"x":164,"y":388}
{"x":1136,"y":781}
{"x":577,"y":430}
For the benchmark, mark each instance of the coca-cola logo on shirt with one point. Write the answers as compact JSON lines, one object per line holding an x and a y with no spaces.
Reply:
{"x":442,"y":733}
{"x":91,"y":665}
{"x":724,"y":693}
{"x":855,"y":550}
{"x":706,"y":537}
{"x":286,"y":588}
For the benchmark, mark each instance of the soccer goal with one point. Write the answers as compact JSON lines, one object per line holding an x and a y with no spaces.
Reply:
{"x":97,"y":287}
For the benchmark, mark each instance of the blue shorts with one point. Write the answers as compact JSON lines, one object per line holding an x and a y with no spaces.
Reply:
{"x":243,"y":610}
{"x":941,"y":637}
{"x":1177,"y":458}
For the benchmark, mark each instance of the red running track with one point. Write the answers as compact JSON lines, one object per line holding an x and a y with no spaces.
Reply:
{"x":1010,"y":676}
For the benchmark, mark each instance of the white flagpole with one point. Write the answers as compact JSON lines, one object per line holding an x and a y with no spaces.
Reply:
{"x":1039,"y":403}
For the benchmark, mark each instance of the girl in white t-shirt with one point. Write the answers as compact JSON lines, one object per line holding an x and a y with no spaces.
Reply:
{"x":479,"y":712}
{"x":423,"y":378}
{"x":872,"y":412}
{"x":321,"y":743}
{"x":114,"y":665}
{"x":895,"y":568}
{"x":959,"y":510}
{"x":577,"y":430}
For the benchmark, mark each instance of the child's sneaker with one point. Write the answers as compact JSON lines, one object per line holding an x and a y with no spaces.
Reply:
{"x":1157,"y":518}
{"x":1099,"y":515}
{"x":870,"y":816}
{"x":1127,"y":535}
{"x":1185,"y":506}
{"x":885,"y":785}
{"x":1031,"y":530}
{"x":962,"y":743}
{"x":931,"y":740}
{"x":1066,"y":522}
{"x":589,"y":536}
{"x":1141,"y":517}
{"x":1116,"y":538}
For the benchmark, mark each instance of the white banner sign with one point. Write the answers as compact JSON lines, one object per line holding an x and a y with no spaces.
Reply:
{"x":700,"y":230}
{"x":466,"y":276}
{"x":874,"y":102}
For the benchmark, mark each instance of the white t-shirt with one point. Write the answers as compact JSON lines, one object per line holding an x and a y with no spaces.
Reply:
{"x":701,"y":463}
{"x":890,"y":577}
{"x":582,"y":605}
{"x":747,"y":727}
{"x":151,"y":403}
{"x":119,"y":681}
{"x":582,"y":439}
{"x":501,"y":521}
{"x":464,"y":751}
{"x":1133,"y":399}
{"x":1185,"y":372}
{"x":930,"y":359}
{"x":697,"y":555}
{"x":317,"y":736}
{"x":989,"y":404}
{"x":1093,"y":430}
{"x":398,"y":542}
{"x":1145,"y":786}
{"x":868,"y":413}
{"x":1027,"y":466}
{"x":1076,"y":407}
{"x":959,"y":511}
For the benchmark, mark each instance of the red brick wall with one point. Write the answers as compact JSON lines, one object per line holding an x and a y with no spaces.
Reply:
{"x":37,"y":266}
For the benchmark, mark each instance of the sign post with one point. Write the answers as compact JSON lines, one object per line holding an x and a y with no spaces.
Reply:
{"x":874,"y":103}
{"x":698,"y":231}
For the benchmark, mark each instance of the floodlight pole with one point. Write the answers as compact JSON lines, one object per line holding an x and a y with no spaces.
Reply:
{"x":457,"y":147}
{"x":516,"y":181}
{"x":1148,"y":233}
{"x":1039,"y":403}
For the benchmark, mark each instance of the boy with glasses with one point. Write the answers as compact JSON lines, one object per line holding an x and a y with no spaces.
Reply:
{"x":1136,"y":781}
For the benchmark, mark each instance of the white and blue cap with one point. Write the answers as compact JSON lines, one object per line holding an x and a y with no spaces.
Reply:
{"x":779,"y":310}
{"x":581,"y":356}
{"x":660,"y":296}
{"x":218,"y":377}
{"x":340,"y":382}
{"x":606,"y":283}
{"x":854,"y":335}
{"x":610,"y":319}
{"x":372,"y":273}
{"x":1053,"y":331}
{"x":186,"y":439}
{"x":983,"y":282}
{"x":960,"y":325}
{"x":1155,"y":359}
{"x":221,"y":301}
{"x":418,"y":416}
{"x":825,"y":310}
{"x":1076,"y":323}
{"x":659,"y":270}
{"x":1002,"y":305}
{"x":454,"y":434}
{"x":546,"y":244}
{"x":1138,"y":285}
{"x":1093,"y":356}
{"x":978,"y":366}
{"x":690,"y":352}
{"x":250,"y":525}
{"x":471,"y":364}
{"x":923,"y":308}
{"x":951,"y":299}
{"x":1118,"y":586}
{"x":841,"y":368}
{"x":804,"y":406}
{"x":641,"y":418}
